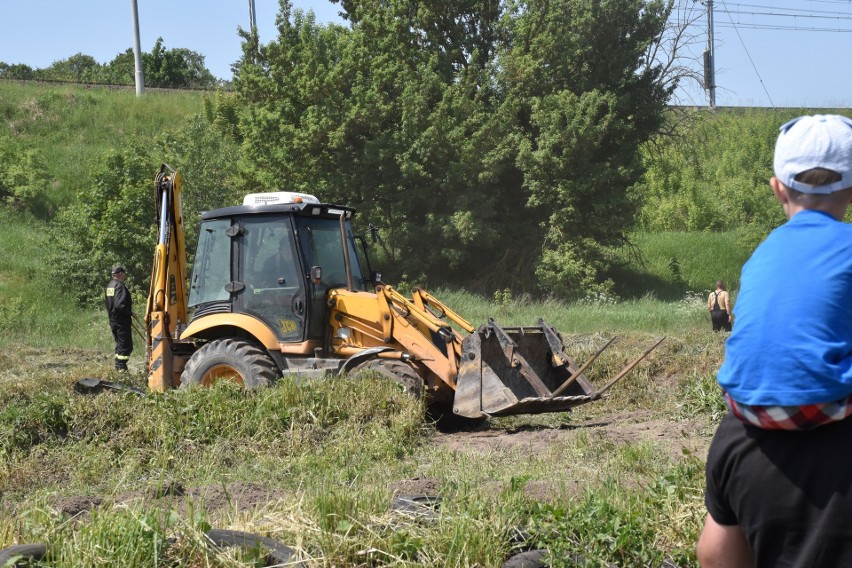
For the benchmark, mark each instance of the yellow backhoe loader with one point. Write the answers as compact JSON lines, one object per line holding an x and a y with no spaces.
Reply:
{"x":281,"y":286}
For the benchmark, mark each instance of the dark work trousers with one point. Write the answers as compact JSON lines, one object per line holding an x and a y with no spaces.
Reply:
{"x":720,"y":320}
{"x":122,"y":333}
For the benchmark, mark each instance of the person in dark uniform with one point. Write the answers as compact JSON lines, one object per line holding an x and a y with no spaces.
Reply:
{"x":119,"y":308}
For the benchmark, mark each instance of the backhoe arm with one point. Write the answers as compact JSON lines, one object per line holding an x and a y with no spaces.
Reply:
{"x":166,"y":309}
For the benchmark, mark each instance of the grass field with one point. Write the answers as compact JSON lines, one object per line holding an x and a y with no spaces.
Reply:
{"x":109,"y":479}
{"x":73,"y":127}
{"x":124,"y":480}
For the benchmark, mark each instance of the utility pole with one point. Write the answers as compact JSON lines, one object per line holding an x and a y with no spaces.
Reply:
{"x":252,"y":17}
{"x":137,"y":51}
{"x":710,"y":59}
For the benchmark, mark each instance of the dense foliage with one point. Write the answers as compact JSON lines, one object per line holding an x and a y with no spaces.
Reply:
{"x":713,"y":175}
{"x":23,"y":178}
{"x":495,"y":151}
{"x":493,"y":143}
{"x":178,"y":68}
{"x":113,"y":219}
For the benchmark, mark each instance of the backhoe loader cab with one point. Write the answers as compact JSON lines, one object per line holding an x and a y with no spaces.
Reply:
{"x":258,"y":261}
{"x":281,"y":286}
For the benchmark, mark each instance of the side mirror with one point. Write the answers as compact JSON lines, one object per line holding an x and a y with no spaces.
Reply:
{"x":316,"y":274}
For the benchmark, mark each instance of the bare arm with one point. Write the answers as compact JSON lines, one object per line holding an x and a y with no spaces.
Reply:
{"x":723,"y":546}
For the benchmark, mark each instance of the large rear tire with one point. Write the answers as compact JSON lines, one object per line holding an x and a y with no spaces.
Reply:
{"x":396,"y":371}
{"x":229,"y":360}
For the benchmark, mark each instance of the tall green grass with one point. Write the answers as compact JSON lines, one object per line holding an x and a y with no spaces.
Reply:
{"x":34,"y":309}
{"x":671,"y":264}
{"x":605,"y":316}
{"x":73,"y":127}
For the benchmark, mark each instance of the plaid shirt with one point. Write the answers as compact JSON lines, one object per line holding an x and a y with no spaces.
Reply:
{"x":802,"y":417}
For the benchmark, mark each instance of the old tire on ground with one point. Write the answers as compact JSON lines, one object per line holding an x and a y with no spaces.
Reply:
{"x":26,"y":553}
{"x":232,"y":360}
{"x":528,"y":559}
{"x":422,"y":507}
{"x":277,"y":554}
{"x":396,"y":371}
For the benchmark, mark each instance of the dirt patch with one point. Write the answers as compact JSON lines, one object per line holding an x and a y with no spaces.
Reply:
{"x":630,"y":427}
{"x":668,"y":436}
{"x":416,"y":486}
{"x":238,"y":496}
{"x":76,"y":505}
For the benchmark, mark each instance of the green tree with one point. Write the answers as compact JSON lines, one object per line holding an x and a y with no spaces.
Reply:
{"x":16,"y":71}
{"x":175,"y":68}
{"x":485,"y":142}
{"x":113,"y":219}
{"x":122,"y":69}
{"x":79,"y":68}
{"x":587,"y":99}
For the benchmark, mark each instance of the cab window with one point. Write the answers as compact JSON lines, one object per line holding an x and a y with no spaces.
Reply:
{"x":212,"y":269}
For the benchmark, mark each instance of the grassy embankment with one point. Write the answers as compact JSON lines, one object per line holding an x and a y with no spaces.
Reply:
{"x":108,"y":479}
{"x":72,"y":129}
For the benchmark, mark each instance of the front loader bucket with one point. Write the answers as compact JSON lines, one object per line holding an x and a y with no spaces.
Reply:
{"x":522,"y":370}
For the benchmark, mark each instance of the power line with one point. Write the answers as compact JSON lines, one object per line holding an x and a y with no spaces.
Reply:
{"x":796,"y":16}
{"x":796,"y":10}
{"x":783,"y":28}
{"x":757,"y":15}
{"x":756,"y":72}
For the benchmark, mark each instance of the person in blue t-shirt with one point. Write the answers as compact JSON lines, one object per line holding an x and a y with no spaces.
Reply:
{"x":792,"y":347}
{"x":787,"y":373}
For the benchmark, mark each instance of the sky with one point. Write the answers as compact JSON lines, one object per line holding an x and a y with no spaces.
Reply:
{"x":768,"y":53}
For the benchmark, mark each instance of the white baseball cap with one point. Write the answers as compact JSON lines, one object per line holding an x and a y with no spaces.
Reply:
{"x":818,"y":141}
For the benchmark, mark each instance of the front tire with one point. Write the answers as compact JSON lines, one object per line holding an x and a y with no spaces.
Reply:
{"x":229,"y":360}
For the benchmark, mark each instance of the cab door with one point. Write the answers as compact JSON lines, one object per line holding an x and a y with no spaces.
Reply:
{"x":271,"y":271}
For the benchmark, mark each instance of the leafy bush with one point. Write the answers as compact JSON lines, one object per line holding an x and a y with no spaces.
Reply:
{"x":114,"y":218}
{"x":23,"y":178}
